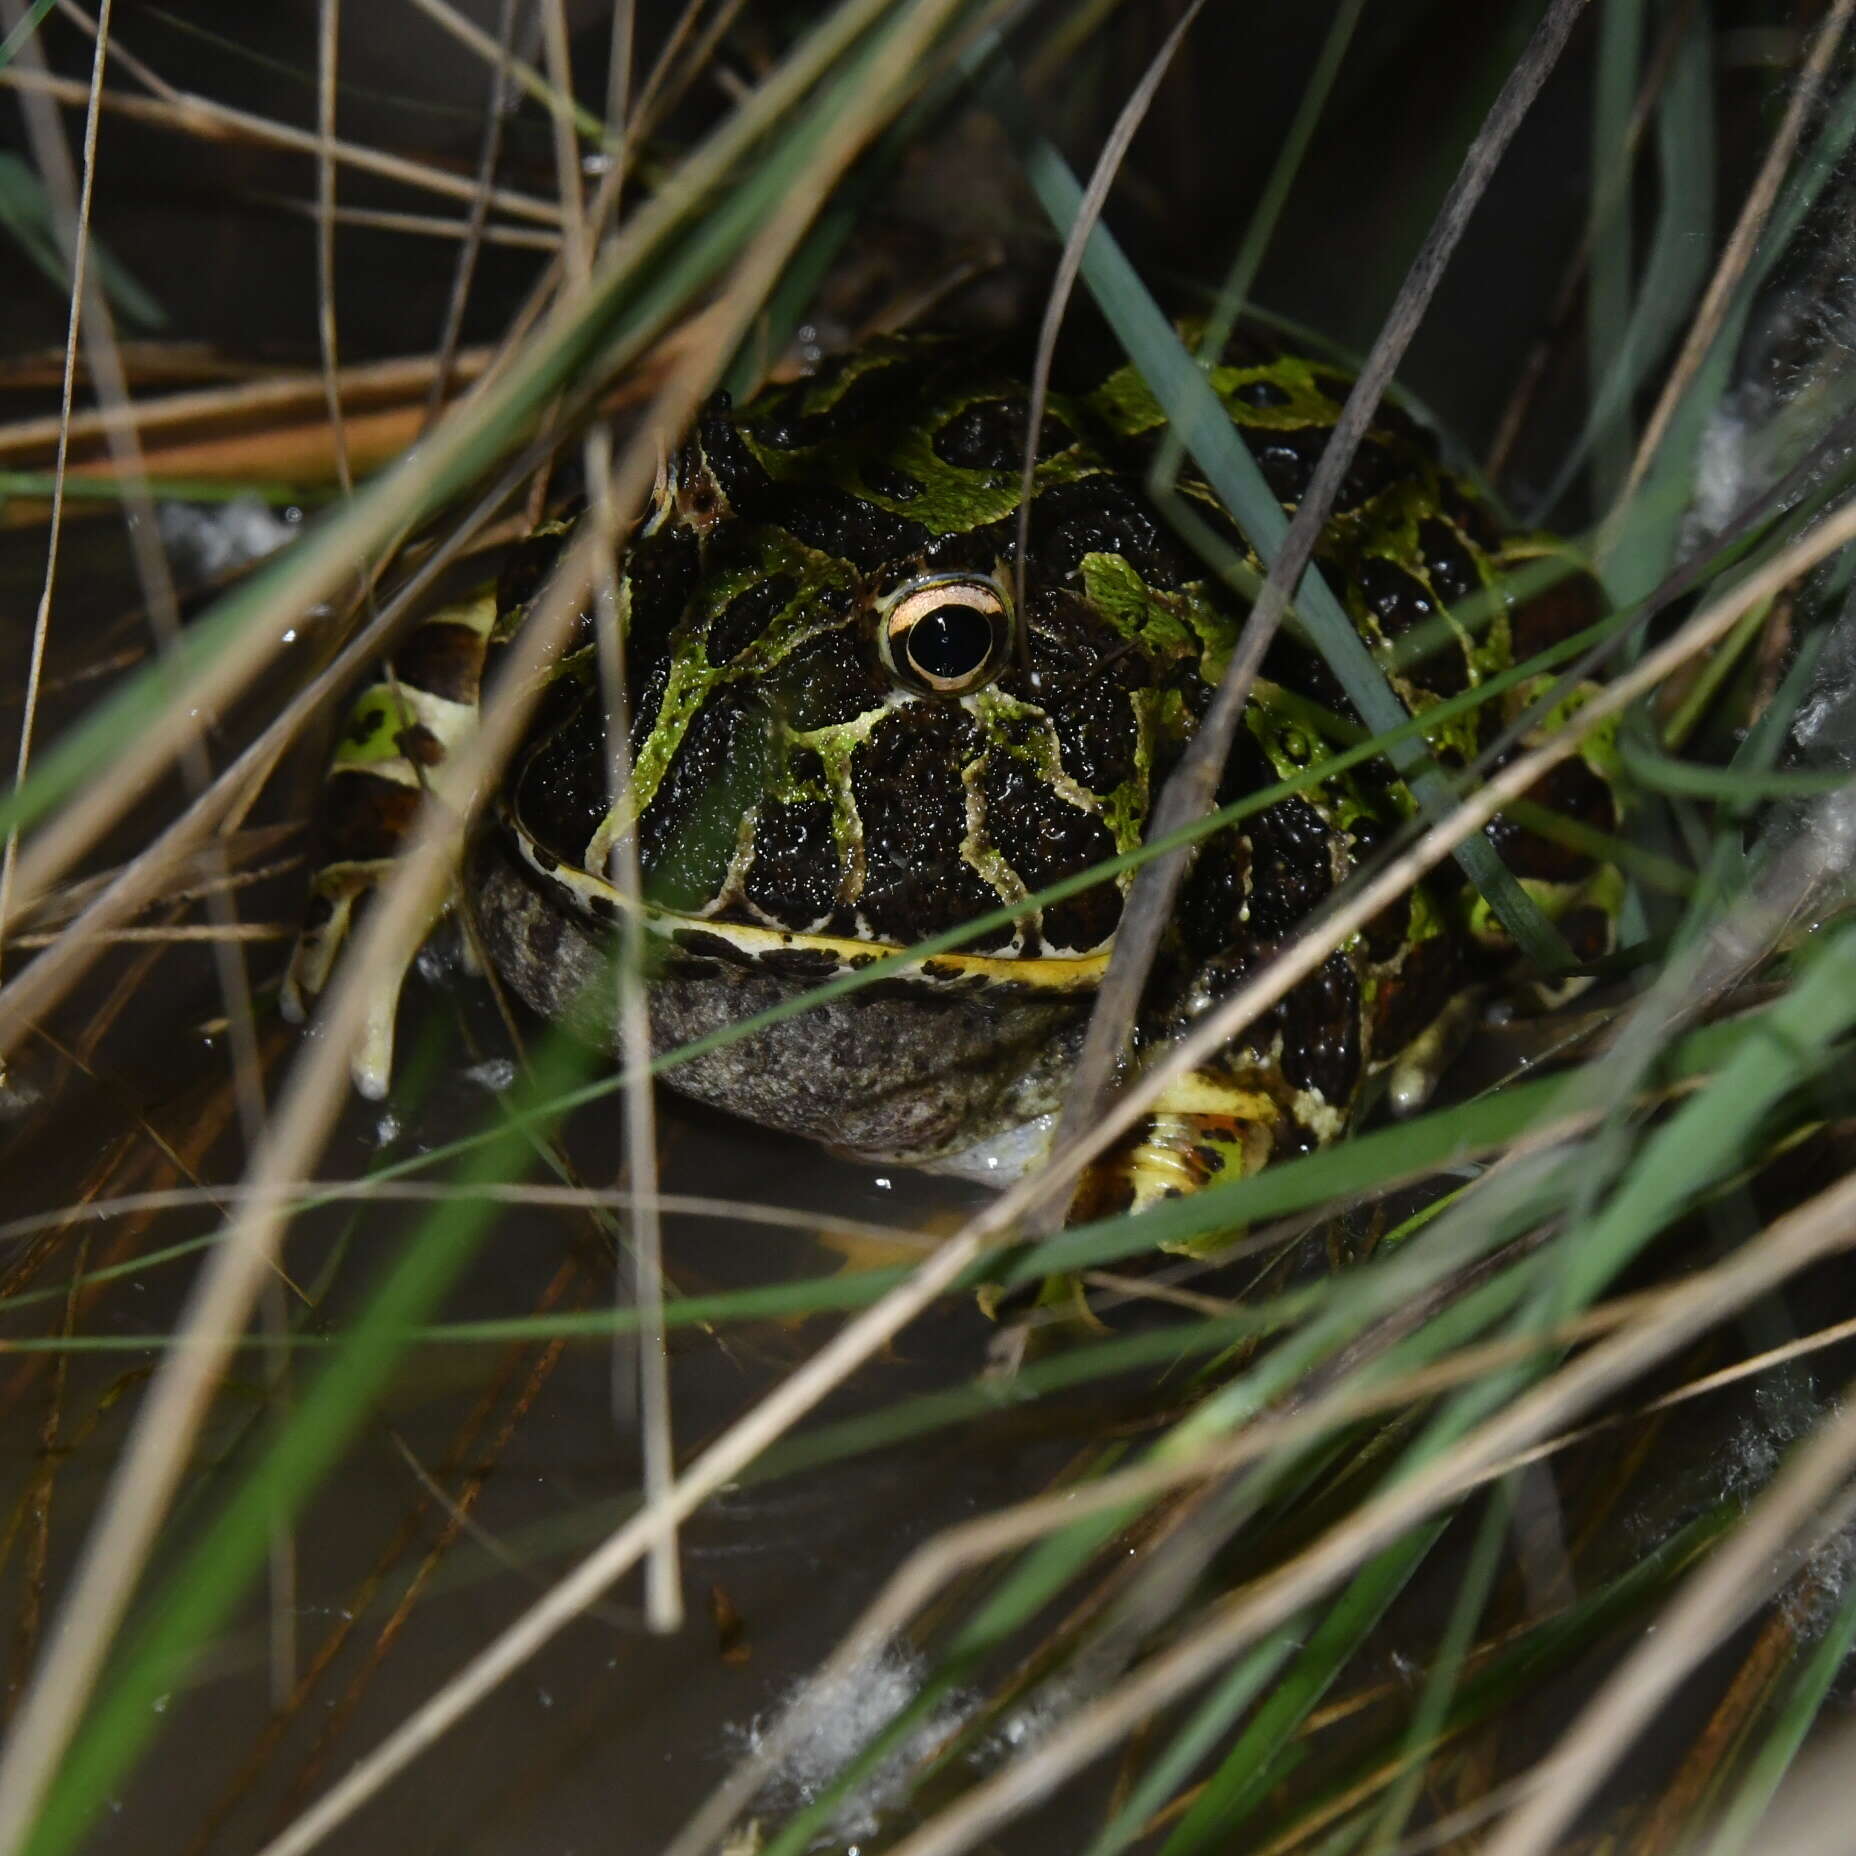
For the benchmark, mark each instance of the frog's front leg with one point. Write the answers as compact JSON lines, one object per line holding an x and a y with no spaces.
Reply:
{"x":397,"y":750}
{"x":1207,"y":1128}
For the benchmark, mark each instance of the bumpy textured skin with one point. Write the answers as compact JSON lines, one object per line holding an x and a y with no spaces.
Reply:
{"x":799,"y":810}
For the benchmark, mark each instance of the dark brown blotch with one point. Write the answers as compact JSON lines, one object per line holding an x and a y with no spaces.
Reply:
{"x":1573,"y":791}
{"x":832,"y":677}
{"x":886,"y":479}
{"x":1399,"y":600}
{"x":561,"y":791}
{"x":1321,"y":1033}
{"x":1555,"y":614}
{"x":419,"y":745}
{"x":799,"y":963}
{"x":706,"y":946}
{"x":443,"y":658}
{"x":367,"y":816}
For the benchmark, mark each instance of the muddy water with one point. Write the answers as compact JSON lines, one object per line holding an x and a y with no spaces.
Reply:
{"x":772,"y":1572}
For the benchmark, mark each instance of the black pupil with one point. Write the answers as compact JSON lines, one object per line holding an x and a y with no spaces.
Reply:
{"x":951,"y":642}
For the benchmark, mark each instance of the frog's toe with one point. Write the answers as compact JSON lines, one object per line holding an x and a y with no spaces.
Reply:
{"x":328,"y":930}
{"x":372,"y":1062}
{"x":326,"y":922}
{"x":470,"y":951}
{"x":1207,"y":1129}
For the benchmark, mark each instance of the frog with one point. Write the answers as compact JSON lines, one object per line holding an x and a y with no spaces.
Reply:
{"x":860,"y":716}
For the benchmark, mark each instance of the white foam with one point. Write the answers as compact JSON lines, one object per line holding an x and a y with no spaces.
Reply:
{"x":832,"y":1721}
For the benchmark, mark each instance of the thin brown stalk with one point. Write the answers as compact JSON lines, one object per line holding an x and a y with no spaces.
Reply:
{"x":619,"y":57}
{"x":27,"y":1622}
{"x":275,"y":397}
{"x":193,"y":933}
{"x":555,"y":97}
{"x":660,"y":98}
{"x":192,"y":881}
{"x":359,"y":1600}
{"x":663,"y":1585}
{"x":124,"y":59}
{"x":297,"y":1195}
{"x":460,"y":1523}
{"x":1710,"y":1754}
{"x":1611,"y":187}
{"x":644,"y":111}
{"x":328,"y":37}
{"x":649,"y":1358}
{"x":476,"y":223}
{"x":427,"y":225}
{"x":42,"y":617}
{"x":574,"y":247}
{"x":201,"y":117}
{"x":1744,"y":240}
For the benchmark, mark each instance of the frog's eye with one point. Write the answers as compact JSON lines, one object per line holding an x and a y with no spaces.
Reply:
{"x":946,"y":637}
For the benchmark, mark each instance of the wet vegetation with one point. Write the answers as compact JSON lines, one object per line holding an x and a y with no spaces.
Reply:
{"x":529,"y":1461}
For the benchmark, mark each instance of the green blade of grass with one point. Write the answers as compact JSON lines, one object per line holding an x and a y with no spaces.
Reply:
{"x":1639,"y":551}
{"x":1263,"y":1752}
{"x":1440,"y":1683}
{"x":1216,"y":446}
{"x":26,"y":213}
{"x":1607,"y":299}
{"x":1508,"y":1675}
{"x":1785,"y":1734}
{"x":1209,"y":1722}
{"x":1624,"y":338}
{"x":1732,"y":786}
{"x":1713,"y":1133}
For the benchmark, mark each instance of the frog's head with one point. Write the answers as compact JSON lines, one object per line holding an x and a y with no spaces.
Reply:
{"x":847,"y":733}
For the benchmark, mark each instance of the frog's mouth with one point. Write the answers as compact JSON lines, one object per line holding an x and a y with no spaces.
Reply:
{"x":807,"y":957}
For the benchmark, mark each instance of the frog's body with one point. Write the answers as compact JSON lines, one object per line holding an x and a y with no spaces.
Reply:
{"x":845,"y":738}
